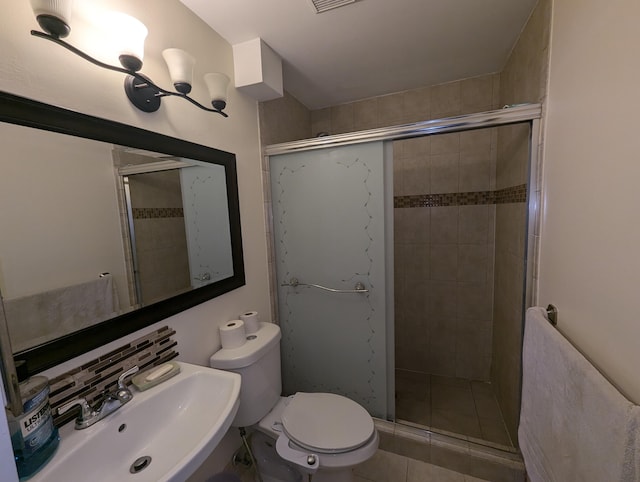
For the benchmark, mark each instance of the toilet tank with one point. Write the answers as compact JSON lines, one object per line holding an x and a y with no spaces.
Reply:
{"x":258,"y":363}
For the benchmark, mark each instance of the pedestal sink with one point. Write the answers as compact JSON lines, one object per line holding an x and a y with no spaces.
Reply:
{"x":163,"y":434}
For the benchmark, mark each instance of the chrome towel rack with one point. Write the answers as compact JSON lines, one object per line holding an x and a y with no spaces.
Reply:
{"x":358,"y":288}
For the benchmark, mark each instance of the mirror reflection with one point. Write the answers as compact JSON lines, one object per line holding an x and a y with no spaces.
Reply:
{"x":92,"y":231}
{"x":178,"y":226}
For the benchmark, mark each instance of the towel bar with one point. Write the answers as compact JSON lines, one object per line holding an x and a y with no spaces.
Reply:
{"x":359,"y":288}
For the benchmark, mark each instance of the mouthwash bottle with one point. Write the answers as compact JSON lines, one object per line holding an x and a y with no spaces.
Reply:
{"x":33,"y":436}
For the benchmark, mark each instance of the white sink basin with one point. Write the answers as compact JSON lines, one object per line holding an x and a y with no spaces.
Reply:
{"x":177,"y":423}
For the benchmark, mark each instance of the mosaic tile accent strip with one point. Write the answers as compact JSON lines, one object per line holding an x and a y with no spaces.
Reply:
{"x":90,"y":380}
{"x":515,"y":194}
{"x":154,"y":213}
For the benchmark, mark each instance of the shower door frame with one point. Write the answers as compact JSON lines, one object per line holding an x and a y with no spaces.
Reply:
{"x":509,"y":115}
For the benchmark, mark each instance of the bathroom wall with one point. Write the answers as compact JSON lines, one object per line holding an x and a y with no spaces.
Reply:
{"x":589,"y":263}
{"x":40,"y":70}
{"x":523,"y":79}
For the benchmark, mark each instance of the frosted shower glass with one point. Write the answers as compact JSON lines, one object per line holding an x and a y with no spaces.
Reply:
{"x":206,"y":219}
{"x":328,"y":209}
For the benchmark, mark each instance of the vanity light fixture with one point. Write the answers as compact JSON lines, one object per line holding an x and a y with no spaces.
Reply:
{"x":129,"y":34}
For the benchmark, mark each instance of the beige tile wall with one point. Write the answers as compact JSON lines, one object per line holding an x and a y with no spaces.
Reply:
{"x":282,"y":120}
{"x":432,"y":102}
{"x":161,"y":242}
{"x":522,"y":80}
{"x":444,"y":256}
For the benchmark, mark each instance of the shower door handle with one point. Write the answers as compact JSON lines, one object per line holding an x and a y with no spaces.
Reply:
{"x":358,"y":288}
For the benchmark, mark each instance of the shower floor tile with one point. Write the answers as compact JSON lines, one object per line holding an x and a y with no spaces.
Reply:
{"x":452,"y":405}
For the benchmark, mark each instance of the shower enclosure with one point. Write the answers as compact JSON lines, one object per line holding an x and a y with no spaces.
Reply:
{"x":329,"y":219}
{"x":433,"y":340}
{"x":174,"y":214}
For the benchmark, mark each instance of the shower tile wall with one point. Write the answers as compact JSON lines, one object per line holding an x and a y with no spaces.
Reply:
{"x":433,"y":102}
{"x":523,"y":79}
{"x":444,"y":255}
{"x":160,"y":230}
{"x":283,"y":120}
{"x":160,"y":236}
{"x":511,"y":221}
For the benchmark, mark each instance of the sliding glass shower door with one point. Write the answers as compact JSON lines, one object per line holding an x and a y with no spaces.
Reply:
{"x":333,"y":299}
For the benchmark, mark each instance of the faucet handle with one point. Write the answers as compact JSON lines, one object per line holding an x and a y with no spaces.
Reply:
{"x":122,"y":393}
{"x":86,"y":411}
{"x":122,"y":378}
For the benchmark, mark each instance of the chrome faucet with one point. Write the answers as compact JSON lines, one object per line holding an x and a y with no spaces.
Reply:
{"x":112,"y":402}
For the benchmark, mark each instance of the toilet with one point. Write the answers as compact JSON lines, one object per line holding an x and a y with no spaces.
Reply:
{"x":318,"y":433}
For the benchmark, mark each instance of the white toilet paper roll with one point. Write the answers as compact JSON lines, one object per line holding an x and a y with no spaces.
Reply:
{"x":232,"y":334}
{"x":251,"y":321}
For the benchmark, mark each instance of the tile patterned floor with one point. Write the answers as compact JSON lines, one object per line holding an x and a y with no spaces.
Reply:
{"x":387,"y":467}
{"x":452,"y":405}
{"x":390,"y":467}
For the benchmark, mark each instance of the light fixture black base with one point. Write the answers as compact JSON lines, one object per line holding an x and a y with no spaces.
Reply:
{"x":182,"y":87}
{"x":141,"y":94}
{"x":130,"y":62}
{"x":53,"y":25}
{"x":219,"y":105}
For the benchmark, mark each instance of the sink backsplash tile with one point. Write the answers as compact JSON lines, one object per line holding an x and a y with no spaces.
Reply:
{"x":91,"y":379}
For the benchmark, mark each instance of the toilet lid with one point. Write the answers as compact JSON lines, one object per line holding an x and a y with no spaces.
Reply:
{"x":327,"y":423}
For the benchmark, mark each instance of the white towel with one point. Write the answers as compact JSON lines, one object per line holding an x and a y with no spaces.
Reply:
{"x":574,"y":425}
{"x":38,"y":318}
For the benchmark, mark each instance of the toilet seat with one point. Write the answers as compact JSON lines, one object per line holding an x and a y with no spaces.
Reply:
{"x":301,"y":451}
{"x":326,"y":423}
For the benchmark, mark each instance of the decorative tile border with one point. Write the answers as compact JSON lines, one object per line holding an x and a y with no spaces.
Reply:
{"x":515,"y":194}
{"x":154,"y":213}
{"x":90,"y":380}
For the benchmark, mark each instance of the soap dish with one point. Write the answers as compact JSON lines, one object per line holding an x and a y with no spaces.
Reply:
{"x":155,"y":375}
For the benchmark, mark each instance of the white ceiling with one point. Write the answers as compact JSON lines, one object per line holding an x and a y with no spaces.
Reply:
{"x":372,"y":47}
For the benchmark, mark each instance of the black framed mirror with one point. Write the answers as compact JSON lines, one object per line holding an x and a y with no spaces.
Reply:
{"x":55,"y":121}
